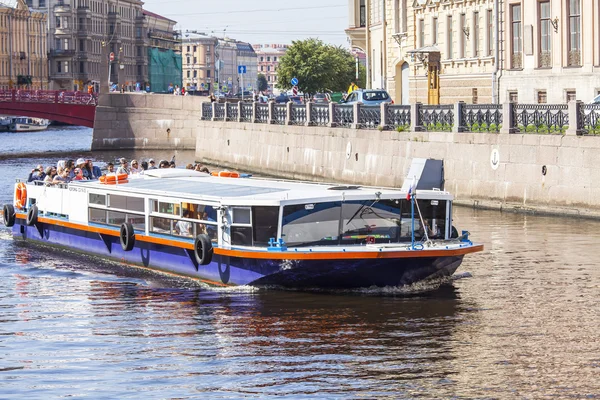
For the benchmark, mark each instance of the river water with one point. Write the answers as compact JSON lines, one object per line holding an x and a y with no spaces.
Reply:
{"x":521,"y":319}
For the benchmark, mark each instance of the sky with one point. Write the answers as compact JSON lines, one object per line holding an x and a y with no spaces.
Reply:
{"x":259,"y":21}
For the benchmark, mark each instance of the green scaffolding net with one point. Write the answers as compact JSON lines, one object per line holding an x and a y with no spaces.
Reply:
{"x":164,"y":69}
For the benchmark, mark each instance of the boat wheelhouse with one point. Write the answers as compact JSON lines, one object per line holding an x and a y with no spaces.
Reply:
{"x":249,"y":231}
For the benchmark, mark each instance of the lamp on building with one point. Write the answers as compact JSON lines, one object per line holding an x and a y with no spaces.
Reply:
{"x":554,"y":23}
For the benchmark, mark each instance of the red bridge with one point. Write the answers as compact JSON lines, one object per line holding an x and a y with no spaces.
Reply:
{"x":75,"y":108}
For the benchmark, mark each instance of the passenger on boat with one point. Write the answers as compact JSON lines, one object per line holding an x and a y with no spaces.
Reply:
{"x":37,"y":174}
{"x":62,"y":178}
{"x":144,"y":167}
{"x":183,"y":228}
{"x":197,"y":167}
{"x":79,"y":175}
{"x":205,"y":169}
{"x":50,"y":174}
{"x":151,"y":164}
{"x":80,"y":164}
{"x":71,"y":167}
{"x":124,"y":168}
{"x":135,"y":169}
{"x":110,"y":168}
{"x":189,"y":166}
{"x":172,"y":164}
{"x":163,"y":164}
{"x":96,"y":173}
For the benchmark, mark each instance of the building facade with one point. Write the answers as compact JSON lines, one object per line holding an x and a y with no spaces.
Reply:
{"x":23,"y":51}
{"x":550,"y":51}
{"x":268,"y":57}
{"x":198,"y":52}
{"x":158,"y":54}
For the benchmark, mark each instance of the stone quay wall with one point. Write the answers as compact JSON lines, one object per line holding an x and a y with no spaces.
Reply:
{"x":551,"y":174}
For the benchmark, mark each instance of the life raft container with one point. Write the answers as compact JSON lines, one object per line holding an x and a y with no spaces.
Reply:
{"x":226,"y":174}
{"x":113,"y":179}
{"x":21,"y":195}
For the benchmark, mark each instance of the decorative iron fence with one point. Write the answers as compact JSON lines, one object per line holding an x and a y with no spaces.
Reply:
{"x":262,"y":113}
{"x":436,"y":118}
{"x":398,"y":117}
{"x":343,"y":115}
{"x":220,"y":111}
{"x":298,"y":116}
{"x":589,"y":118}
{"x":541,"y":118}
{"x":369,"y":117}
{"x":481,"y":117}
{"x":206,"y":111}
{"x":319,"y":115}
{"x":279,"y":114}
{"x":232,"y":111}
{"x":246,"y":115}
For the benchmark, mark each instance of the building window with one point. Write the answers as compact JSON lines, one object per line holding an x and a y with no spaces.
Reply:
{"x":57,"y":22}
{"x":421,"y":33}
{"x":542,"y":97}
{"x":571,"y":95}
{"x":195,"y":60}
{"x":262,"y":68}
{"x":138,"y":32}
{"x":450,"y":36}
{"x":195,"y":74}
{"x":490,"y":20}
{"x":434,"y":30}
{"x":81,"y":45}
{"x":574,"y":33}
{"x":195,"y":48}
{"x":262,"y":59}
{"x":269,"y":78}
{"x":269,"y":68}
{"x":139,"y":70}
{"x":59,"y":67}
{"x":139,"y":51}
{"x":545,"y":35}
{"x":188,"y":60}
{"x":513,"y":96}
{"x":81,"y":67}
{"x":208,"y":73}
{"x":66,"y":66}
{"x":476,"y":34}
{"x":188,"y":74}
{"x":463,"y":35}
{"x":188,"y":49}
{"x":275,"y":59}
{"x":516,"y":35}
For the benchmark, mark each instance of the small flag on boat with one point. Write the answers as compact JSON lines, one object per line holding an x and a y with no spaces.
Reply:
{"x":411,"y":190}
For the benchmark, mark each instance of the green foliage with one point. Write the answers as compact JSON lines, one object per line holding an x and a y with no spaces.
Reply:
{"x":319,"y":67}
{"x":261,"y":83}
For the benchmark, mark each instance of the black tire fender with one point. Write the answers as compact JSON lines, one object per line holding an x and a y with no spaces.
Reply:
{"x":203,"y":249}
{"x":32,"y":215}
{"x":8,"y":215}
{"x":127,"y":236}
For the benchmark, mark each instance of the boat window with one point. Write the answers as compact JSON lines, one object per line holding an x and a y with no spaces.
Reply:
{"x":118,"y":218}
{"x":241,"y":235}
{"x":434,"y":216}
{"x":241,"y":215}
{"x":127,"y":203}
{"x":97,"y":216}
{"x":182,"y":228}
{"x":166,"y":208}
{"x":364,"y":219}
{"x":265,"y":221}
{"x":161,"y":225}
{"x":200,"y":211}
{"x":99,"y":199}
{"x":311,"y":224}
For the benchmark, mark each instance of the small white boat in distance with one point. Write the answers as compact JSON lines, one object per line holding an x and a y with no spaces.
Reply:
{"x":27,"y":124}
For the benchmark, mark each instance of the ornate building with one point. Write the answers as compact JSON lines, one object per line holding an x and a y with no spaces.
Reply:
{"x":268,"y":56}
{"x":23,"y":59}
{"x":198,"y":52}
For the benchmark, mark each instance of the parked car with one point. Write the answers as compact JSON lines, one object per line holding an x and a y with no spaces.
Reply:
{"x":282,"y":98}
{"x":297,"y":99}
{"x":321,"y":98}
{"x":596,"y":100}
{"x":368,"y":97}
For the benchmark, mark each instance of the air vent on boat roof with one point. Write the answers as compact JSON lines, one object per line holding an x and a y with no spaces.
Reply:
{"x":343,"y":188}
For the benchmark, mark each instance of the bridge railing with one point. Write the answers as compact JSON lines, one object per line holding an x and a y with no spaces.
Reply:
{"x":48,"y":96}
{"x":574,"y":118}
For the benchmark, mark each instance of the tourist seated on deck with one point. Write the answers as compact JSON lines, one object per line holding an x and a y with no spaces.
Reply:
{"x":124,"y":168}
{"x":71,"y":167}
{"x":96,"y":173}
{"x":79,"y":175}
{"x":183,"y":228}
{"x":62,"y":178}
{"x":50,"y":174}
{"x":151,"y":164}
{"x":205,"y":170}
{"x":144,"y":167}
{"x":135,"y":168}
{"x":197,"y":167}
{"x":189,"y":166}
{"x":163,"y":164}
{"x":80,"y":164}
{"x":172,"y":164}
{"x":110,"y":168}
{"x":37,"y":174}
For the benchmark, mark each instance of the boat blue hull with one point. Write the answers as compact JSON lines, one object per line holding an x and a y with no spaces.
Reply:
{"x":348,"y":273}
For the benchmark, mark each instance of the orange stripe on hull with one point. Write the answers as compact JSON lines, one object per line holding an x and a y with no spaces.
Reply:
{"x":273,"y":255}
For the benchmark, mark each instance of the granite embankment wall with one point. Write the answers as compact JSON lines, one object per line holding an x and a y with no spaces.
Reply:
{"x":528,"y":172}
{"x":140,"y":121}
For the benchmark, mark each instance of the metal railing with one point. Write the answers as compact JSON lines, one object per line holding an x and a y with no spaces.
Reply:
{"x":541,"y":118}
{"x":460,"y":117}
{"x":48,"y":96}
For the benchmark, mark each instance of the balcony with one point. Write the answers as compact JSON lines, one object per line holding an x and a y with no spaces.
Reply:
{"x":62,"y":8}
{"x":62,"y":53}
{"x":83,"y":11}
{"x":59,"y":76}
{"x":61,"y":31}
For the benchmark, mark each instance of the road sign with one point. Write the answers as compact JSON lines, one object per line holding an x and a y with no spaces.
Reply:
{"x":294,"y":81}
{"x":111,"y":57}
{"x":295,"y":90}
{"x":225,"y":88}
{"x":202,"y":85}
{"x":241,"y":69}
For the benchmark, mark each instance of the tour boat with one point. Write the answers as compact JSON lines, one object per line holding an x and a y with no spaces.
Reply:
{"x":231,"y":230}
{"x":26,"y":124}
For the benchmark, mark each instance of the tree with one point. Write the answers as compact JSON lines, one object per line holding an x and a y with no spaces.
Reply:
{"x":261,"y":83}
{"x":319,"y":67}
